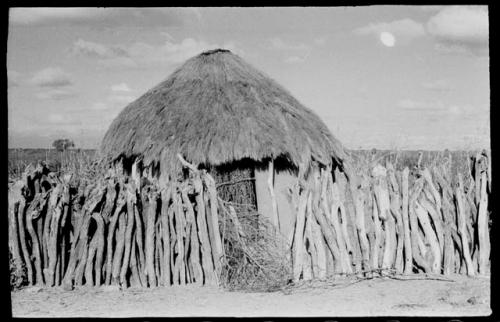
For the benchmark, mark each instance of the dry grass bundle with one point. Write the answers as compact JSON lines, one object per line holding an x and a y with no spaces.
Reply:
{"x":255,"y":255}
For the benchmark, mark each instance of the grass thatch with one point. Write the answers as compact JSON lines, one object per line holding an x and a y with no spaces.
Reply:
{"x":217,"y":109}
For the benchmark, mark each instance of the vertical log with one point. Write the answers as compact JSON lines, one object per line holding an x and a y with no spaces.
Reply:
{"x":14,"y":233}
{"x":119,"y":248}
{"x":462,"y":230}
{"x":52,"y":237}
{"x":99,"y":236}
{"x":22,"y":238}
{"x":110,"y":237}
{"x":136,"y":279}
{"x":430,"y":236}
{"x":76,"y":245}
{"x":383,"y":203}
{"x":140,"y":244}
{"x":150,"y":237}
{"x":482,"y":226}
{"x":131,"y":201}
{"x":157,"y":254}
{"x":89,"y":266}
{"x":333,"y":216}
{"x":193,"y":236}
{"x":173,"y":240}
{"x":436,"y":220}
{"x":35,"y":247}
{"x":274,"y":204}
{"x":406,"y":224}
{"x":299,"y":235}
{"x":360,"y":220}
{"x":310,"y":243}
{"x":396,"y":212}
{"x":214,"y":223}
{"x":166,"y":235}
{"x":377,"y":231}
{"x":419,"y":260}
{"x":180,"y":230}
{"x":206,"y":253}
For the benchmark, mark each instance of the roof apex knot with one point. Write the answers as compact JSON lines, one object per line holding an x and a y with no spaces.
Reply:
{"x":215,"y":51}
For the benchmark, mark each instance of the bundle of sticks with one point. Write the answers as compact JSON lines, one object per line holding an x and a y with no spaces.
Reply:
{"x":116,"y":231}
{"x":391,"y":221}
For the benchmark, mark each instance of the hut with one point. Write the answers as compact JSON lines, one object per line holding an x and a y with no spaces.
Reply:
{"x":222,"y":114}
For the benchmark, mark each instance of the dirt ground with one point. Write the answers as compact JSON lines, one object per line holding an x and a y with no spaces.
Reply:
{"x":460,"y":296}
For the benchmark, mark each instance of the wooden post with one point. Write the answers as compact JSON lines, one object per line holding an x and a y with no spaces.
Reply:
{"x":166,"y":197}
{"x":299,"y":235}
{"x":150,"y":238}
{"x":482,"y":226}
{"x":213,"y":223}
{"x":406,"y":223}
{"x":431,"y":237}
{"x":462,"y":227}
{"x":131,"y":200}
{"x":274,"y":204}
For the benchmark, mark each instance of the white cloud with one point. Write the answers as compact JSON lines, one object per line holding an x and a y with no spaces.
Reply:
{"x":37,"y":15}
{"x":439,"y":108}
{"x":121,"y":99}
{"x":99,"y":106}
{"x":58,"y":118}
{"x":320,"y":41}
{"x":96,"y":50}
{"x":52,"y":77}
{"x":404,"y":29}
{"x":122,"y":87}
{"x":295,"y":52}
{"x":14,"y":78}
{"x":105,"y":17}
{"x":143,"y":54}
{"x":295,"y":59}
{"x":278,"y":43}
{"x":56,"y":94}
{"x":439,"y":85}
{"x":409,"y":104}
{"x":460,"y":28}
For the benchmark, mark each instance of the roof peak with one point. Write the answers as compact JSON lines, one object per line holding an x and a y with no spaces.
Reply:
{"x":215,"y":51}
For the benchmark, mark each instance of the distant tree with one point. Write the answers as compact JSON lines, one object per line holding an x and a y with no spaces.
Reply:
{"x":62,"y":145}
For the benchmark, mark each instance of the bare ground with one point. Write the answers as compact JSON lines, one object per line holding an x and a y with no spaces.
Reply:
{"x":460,"y":296}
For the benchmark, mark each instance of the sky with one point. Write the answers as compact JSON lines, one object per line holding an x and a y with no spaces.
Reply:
{"x":385,"y":77}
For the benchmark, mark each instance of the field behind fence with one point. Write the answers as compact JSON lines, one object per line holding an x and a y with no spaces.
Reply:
{"x":391,"y":215}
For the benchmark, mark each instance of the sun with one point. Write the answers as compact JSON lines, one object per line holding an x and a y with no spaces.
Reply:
{"x":387,"y":39}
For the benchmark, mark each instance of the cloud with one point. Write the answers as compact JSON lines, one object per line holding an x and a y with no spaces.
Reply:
{"x":52,"y":77}
{"x":439,"y":108}
{"x":412,"y":105}
{"x":121,"y":99}
{"x":295,"y":53}
{"x":14,"y":78}
{"x":99,"y":106}
{"x":278,"y":43}
{"x":104,"y":17}
{"x":295,"y":59}
{"x":460,"y":29}
{"x":140,"y":54}
{"x":404,"y":29}
{"x":122,"y":87}
{"x":58,"y":118}
{"x":96,"y":50}
{"x":56,"y":94}
{"x":320,"y":41}
{"x":439,"y":85}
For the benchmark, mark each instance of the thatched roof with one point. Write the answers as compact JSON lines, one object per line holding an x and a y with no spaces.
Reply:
{"x":216,"y":109}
